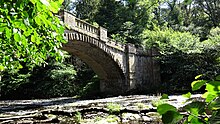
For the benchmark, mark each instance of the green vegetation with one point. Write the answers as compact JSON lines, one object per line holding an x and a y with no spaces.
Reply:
{"x":53,"y":80}
{"x":113,"y":107}
{"x":183,"y":56}
{"x":158,"y":102}
{"x":78,"y":118}
{"x":112,"y":118}
{"x":198,"y":112}
{"x":30,"y":33}
{"x":141,"y":106}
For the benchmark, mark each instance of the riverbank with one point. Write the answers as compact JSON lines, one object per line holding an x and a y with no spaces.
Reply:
{"x":130,"y":109}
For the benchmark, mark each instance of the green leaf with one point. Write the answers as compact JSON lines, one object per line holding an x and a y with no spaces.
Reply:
{"x":164,"y":96}
{"x":33,"y":1}
{"x":23,"y":27}
{"x":195,"y":108}
{"x":17,"y":37}
{"x":38,"y":41}
{"x":188,"y":95}
{"x":197,"y":84}
{"x":163,"y":108}
{"x":2,"y":29}
{"x":38,"y":20}
{"x":1,"y":68}
{"x":24,"y":41}
{"x":171,"y":117}
{"x":210,"y":97}
{"x":194,"y":120}
{"x":33,"y":38}
{"x":213,"y":87}
{"x":8,"y":33}
{"x":54,"y":6}
{"x":198,"y":76}
{"x":28,"y":32}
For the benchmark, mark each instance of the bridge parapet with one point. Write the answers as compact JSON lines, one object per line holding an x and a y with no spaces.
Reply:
{"x":78,"y":25}
{"x":86,"y":28}
{"x":116,"y":45}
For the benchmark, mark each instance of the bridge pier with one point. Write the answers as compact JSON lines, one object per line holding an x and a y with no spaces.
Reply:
{"x":143,"y":69}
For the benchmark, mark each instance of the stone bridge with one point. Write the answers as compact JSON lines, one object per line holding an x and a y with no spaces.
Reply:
{"x":120,"y":67}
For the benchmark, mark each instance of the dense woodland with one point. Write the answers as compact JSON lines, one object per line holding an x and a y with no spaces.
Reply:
{"x":186,"y":33}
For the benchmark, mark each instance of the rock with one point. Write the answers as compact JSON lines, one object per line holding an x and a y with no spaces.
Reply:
{"x":146,"y":118}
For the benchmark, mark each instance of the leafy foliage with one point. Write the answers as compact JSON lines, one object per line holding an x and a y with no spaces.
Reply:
{"x":170,"y":41}
{"x":183,"y":56}
{"x":56,"y":79}
{"x":199,"y":112}
{"x":114,"y":107}
{"x":163,"y":108}
{"x":30,"y":33}
{"x":78,"y":118}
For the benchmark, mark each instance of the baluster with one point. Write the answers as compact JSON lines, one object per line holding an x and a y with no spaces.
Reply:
{"x":77,"y":23}
{"x":80,"y":24}
{"x":87,"y":28}
{"x":94,"y":30}
{"x":91,"y":30}
{"x":83,"y":25}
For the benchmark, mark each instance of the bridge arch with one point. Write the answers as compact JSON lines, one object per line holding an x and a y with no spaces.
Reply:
{"x":112,"y":78}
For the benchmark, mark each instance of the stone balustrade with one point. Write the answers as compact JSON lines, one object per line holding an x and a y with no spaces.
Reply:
{"x":77,"y":25}
{"x":86,"y":26}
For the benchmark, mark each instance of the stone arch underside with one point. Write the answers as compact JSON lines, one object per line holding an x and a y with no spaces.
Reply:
{"x":112,"y":78}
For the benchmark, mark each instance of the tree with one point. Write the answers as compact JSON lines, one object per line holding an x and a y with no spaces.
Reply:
{"x":124,"y":19}
{"x":183,"y":56}
{"x":29,"y":33}
{"x":87,"y":9}
{"x":196,"y":16}
{"x":211,"y":8}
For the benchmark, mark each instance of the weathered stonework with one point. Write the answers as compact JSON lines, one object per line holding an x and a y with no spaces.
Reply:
{"x":120,"y":67}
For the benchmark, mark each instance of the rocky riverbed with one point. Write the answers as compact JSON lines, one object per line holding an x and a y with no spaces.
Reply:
{"x":132,"y":109}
